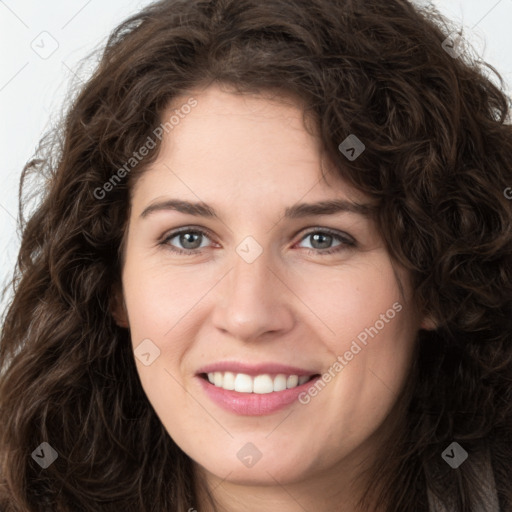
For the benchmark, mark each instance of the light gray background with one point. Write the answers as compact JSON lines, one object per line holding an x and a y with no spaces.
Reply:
{"x":33,"y":84}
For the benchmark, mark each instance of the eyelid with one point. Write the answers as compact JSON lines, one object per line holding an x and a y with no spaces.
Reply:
{"x":334,"y":232}
{"x":186,"y":229}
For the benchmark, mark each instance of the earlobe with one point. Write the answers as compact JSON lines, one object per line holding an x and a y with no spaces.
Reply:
{"x":118,"y":308}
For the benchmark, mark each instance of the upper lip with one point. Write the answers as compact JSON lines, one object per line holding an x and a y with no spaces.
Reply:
{"x":254,"y":369}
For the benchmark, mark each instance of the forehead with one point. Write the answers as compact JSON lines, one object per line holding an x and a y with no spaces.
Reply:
{"x":241,"y":145}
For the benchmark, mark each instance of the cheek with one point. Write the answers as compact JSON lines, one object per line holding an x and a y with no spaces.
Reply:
{"x":158,"y":308}
{"x":164,"y":304}
{"x":351,"y":299}
{"x":157,"y":296}
{"x":371,"y":338}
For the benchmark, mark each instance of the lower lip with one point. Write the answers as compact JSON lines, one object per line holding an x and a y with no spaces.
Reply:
{"x":254,"y":404}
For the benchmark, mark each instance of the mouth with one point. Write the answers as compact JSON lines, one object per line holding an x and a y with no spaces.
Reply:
{"x":255,"y":393}
{"x":260,"y":384}
{"x":254,"y":389}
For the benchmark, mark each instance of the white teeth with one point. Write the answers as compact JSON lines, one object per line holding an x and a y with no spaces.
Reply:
{"x":292,"y":381}
{"x":243,"y":383}
{"x":280,"y":382}
{"x":261,"y":384}
{"x":229,"y":381}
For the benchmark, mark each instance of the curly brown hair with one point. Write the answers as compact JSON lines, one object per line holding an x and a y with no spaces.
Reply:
{"x":438,"y":159}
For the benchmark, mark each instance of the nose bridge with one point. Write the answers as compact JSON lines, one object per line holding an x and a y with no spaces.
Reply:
{"x":253,"y":298}
{"x":250,"y":276}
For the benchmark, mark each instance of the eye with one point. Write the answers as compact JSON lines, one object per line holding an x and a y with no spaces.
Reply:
{"x":190,"y":240}
{"x":324,"y":237}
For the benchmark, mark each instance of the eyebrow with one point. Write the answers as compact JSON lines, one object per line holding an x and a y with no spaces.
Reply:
{"x":297,"y":211}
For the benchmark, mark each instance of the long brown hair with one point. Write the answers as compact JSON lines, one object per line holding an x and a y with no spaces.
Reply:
{"x":437,"y":158}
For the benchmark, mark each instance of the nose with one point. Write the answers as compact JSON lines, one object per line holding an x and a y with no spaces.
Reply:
{"x":253,"y":301}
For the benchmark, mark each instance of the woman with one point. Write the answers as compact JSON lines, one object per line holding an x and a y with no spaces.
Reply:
{"x":142,"y":370}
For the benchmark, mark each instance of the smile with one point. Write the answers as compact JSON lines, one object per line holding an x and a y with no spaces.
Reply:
{"x":259,"y":384}
{"x":254,"y":390}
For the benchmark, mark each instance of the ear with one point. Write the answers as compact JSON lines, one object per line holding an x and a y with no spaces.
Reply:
{"x":118,"y":307}
{"x":428,"y":323}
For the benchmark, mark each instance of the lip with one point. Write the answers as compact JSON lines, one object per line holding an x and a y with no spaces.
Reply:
{"x":255,"y":369}
{"x":253,"y":404}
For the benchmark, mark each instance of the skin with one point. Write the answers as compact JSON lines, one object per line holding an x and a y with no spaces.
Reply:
{"x":250,"y":157}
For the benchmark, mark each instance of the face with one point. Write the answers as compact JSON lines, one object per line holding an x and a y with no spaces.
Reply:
{"x":300,"y":316}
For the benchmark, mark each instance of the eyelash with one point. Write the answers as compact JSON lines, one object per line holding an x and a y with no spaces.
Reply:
{"x":345,"y":241}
